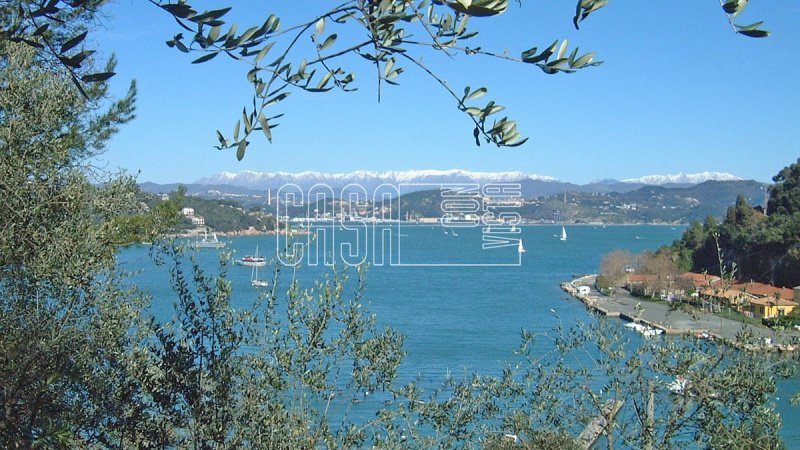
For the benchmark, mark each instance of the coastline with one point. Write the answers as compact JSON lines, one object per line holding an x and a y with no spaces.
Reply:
{"x":624,"y":306}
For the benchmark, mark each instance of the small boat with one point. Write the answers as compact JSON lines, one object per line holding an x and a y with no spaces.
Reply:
{"x":260,"y":283}
{"x":680,"y":386}
{"x":635,"y":326}
{"x":252,"y":260}
{"x":650,"y":332}
{"x":643,"y":329}
{"x":255,"y":282}
{"x":520,"y":248}
{"x":249,"y":260}
{"x":207,"y":242}
{"x":563,"y":233}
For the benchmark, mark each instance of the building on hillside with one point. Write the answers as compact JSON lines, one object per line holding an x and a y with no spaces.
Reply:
{"x":765,"y":290}
{"x":187,"y":212}
{"x":700,"y":281}
{"x":770,"y":307}
{"x":641,"y":284}
{"x":198,"y":220}
{"x":732,"y":298}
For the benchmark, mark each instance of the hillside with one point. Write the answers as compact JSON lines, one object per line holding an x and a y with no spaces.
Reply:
{"x":219,"y":215}
{"x":648,"y":204}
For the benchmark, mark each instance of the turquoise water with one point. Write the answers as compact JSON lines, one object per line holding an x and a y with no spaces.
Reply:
{"x":459,"y":319}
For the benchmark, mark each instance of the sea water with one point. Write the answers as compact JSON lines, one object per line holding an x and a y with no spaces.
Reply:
{"x":460,"y":307}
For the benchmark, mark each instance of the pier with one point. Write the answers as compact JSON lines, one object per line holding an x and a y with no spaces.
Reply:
{"x":623,"y":305}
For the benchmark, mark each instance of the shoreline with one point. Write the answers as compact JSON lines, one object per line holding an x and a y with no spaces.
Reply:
{"x":677,"y":323}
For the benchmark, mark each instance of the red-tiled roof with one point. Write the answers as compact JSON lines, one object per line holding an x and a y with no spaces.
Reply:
{"x":764,"y":290}
{"x":730,"y":294}
{"x":772,"y":301}
{"x":641,"y":278}
{"x":700,"y":279}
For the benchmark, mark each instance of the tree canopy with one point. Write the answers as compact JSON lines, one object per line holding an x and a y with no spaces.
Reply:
{"x":764,"y":247}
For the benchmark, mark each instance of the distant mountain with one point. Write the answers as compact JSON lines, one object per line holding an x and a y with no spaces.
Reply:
{"x":250,"y":188}
{"x":533,"y":185}
{"x":647,"y":204}
{"x":367,"y":179}
{"x":683,"y":178}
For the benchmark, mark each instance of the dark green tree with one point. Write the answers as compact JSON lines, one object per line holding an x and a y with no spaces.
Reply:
{"x":784,"y":195}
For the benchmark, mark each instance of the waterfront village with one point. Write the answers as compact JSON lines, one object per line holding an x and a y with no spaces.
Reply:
{"x":698,"y":304}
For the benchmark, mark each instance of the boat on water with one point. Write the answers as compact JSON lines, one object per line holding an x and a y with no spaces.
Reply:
{"x":650,"y":332}
{"x":680,"y":386}
{"x":252,"y":260}
{"x":255,"y":282}
{"x":643,"y":329}
{"x":563,"y":233}
{"x":208,"y":242}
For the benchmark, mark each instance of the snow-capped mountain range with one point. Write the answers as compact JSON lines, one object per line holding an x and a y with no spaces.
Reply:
{"x":683,"y":178}
{"x":371,"y":179}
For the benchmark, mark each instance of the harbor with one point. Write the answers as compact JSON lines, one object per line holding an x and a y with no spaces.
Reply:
{"x":659,"y":316}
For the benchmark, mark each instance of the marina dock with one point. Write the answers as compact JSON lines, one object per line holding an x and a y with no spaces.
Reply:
{"x":658,"y":315}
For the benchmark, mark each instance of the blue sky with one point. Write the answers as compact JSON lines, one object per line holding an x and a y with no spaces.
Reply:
{"x":678,"y":92}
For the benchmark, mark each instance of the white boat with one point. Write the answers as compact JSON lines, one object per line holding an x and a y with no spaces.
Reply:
{"x":635,"y":326}
{"x":650,"y":332}
{"x":255,"y":282}
{"x":680,"y":386}
{"x":643,"y":329}
{"x":207,"y":242}
{"x":252,"y":260}
{"x":520,"y":248}
{"x":563,"y":233}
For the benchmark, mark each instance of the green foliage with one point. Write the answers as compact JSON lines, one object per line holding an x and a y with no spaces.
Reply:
{"x":269,"y":375}
{"x":138,"y":226}
{"x":63,"y":321}
{"x":57,"y":30}
{"x":82,"y":366}
{"x":784,"y":196}
{"x":227,"y":216}
{"x":763,"y":248}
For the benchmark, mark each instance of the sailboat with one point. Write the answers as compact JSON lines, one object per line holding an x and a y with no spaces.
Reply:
{"x":254,"y":281}
{"x":520,"y":248}
{"x":207,"y":242}
{"x":563,"y":233}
